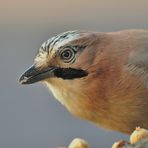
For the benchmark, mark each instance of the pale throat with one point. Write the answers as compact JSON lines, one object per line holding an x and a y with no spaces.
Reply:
{"x":77,"y":99}
{"x":68,"y":92}
{"x":63,"y":90}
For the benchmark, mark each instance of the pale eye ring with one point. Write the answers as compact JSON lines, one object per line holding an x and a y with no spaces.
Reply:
{"x":67,"y":55}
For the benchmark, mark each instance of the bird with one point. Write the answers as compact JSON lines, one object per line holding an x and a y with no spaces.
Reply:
{"x":100,"y":77}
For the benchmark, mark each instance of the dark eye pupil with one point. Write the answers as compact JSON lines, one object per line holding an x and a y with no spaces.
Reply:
{"x":66,"y":54}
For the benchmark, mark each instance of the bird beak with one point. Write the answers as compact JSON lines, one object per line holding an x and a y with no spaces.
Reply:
{"x":34,"y":74}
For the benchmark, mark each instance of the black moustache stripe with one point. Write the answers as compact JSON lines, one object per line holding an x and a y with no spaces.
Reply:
{"x":69,"y":73}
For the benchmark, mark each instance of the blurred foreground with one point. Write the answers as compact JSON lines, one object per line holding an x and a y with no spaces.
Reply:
{"x":138,"y":139}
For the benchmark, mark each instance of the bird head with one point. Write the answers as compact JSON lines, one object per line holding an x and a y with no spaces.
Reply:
{"x":66,"y":63}
{"x":64,"y":56}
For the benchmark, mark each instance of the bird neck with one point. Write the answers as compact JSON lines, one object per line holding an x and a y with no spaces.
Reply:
{"x":79,"y":99}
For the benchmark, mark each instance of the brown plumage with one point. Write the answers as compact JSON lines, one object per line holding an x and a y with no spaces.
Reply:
{"x":106,"y":79}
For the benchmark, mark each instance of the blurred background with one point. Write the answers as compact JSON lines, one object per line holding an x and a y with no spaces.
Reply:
{"x":29,"y":115}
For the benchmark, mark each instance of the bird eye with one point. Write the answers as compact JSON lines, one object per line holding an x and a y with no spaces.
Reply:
{"x":68,"y":55}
